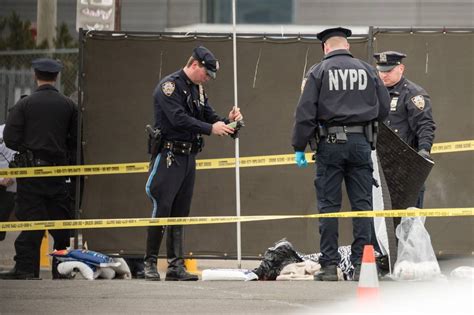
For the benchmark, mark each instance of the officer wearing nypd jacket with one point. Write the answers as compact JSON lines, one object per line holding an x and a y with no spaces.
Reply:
{"x":410,"y":113}
{"x":340,"y":98}
{"x":182,"y":114}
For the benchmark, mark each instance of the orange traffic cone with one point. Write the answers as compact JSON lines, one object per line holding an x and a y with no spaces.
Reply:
{"x":368,"y":288}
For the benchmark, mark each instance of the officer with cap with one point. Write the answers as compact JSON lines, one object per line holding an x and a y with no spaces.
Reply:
{"x":341,"y":97}
{"x":182,"y":114}
{"x":410,"y":113}
{"x":42,"y":127}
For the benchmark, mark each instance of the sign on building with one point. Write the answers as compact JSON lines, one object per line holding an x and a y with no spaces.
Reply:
{"x":95,"y":15}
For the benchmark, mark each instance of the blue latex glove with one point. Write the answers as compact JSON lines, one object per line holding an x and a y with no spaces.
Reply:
{"x":300,"y":159}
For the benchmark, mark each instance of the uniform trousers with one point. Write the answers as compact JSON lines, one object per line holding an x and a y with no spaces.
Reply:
{"x":40,"y":199}
{"x":170,"y":189}
{"x":351,"y":162}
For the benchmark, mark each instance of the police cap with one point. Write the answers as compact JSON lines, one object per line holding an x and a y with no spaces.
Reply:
{"x":47,"y":65}
{"x":388,"y":60}
{"x":331,"y":32}
{"x":207,"y":59}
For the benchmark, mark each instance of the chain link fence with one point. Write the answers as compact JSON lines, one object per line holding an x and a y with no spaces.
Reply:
{"x":17,"y":78}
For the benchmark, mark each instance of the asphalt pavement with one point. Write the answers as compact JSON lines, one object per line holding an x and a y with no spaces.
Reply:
{"x":77,"y":296}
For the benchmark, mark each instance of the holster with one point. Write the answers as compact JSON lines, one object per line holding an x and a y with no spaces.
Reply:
{"x":23,"y":159}
{"x":320,"y":133}
{"x":155,"y":140}
{"x":199,"y":144}
{"x":371,"y":131}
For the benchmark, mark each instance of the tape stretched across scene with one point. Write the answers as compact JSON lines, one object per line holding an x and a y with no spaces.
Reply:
{"x":142,"y":222}
{"x":205,"y":164}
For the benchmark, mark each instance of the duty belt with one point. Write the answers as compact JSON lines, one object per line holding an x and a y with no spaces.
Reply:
{"x":345,"y":129}
{"x":181,"y":147}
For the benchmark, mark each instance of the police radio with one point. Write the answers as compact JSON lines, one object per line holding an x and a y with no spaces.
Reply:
{"x":236,"y":125}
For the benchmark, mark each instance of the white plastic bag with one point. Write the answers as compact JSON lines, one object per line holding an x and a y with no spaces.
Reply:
{"x":463,"y":272}
{"x":416,"y":259}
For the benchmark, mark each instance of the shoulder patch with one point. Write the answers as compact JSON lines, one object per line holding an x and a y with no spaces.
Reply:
{"x":419,"y":101}
{"x":168,"y":88}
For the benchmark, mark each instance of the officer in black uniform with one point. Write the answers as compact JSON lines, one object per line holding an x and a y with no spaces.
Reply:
{"x":182,"y":115}
{"x":42,"y":127}
{"x":410,"y":113}
{"x":341,"y":98}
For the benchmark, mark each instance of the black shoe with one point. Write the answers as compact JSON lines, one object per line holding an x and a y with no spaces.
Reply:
{"x":140,"y":274}
{"x":179,"y":274}
{"x":151,"y":273}
{"x":15,"y":274}
{"x":327,"y":273}
{"x":356,"y":274}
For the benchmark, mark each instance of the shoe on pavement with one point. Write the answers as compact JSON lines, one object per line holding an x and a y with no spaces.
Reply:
{"x":327,"y":273}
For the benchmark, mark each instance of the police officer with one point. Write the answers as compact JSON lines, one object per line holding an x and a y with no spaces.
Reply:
{"x":182,"y":114}
{"x":42,"y":127}
{"x":410,"y":113}
{"x":341,"y":97}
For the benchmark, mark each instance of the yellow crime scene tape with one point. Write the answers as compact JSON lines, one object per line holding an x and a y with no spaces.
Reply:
{"x":142,"y":222}
{"x":204,"y":164}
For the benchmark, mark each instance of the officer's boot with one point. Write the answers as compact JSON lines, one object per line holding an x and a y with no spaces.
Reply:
{"x":174,"y":248}
{"x":155,"y":235}
{"x":327,"y":273}
{"x":17,"y":274}
{"x":151,"y":271}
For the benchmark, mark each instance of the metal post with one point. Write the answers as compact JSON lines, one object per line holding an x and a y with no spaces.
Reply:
{"x":237,"y":155}
{"x":370,"y":45}
{"x":118,"y":16}
{"x":80,"y":108}
{"x":46,"y":22}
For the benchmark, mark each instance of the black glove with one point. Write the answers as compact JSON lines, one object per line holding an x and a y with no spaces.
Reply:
{"x":424,"y":153}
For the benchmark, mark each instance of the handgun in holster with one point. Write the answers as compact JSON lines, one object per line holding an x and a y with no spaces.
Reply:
{"x":371,"y":131}
{"x":22,"y":159}
{"x":155,"y":140}
{"x":320,"y":133}
{"x":199,"y":143}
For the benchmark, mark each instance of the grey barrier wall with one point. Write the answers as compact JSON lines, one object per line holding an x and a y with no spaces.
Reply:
{"x":119,"y":75}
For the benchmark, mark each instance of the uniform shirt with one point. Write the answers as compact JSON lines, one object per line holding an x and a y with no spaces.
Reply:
{"x":45,"y":123}
{"x":340,"y":90}
{"x":411,"y":115}
{"x":182,"y":112}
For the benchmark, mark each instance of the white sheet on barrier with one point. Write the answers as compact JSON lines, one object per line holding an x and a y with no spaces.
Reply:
{"x":378,"y":204}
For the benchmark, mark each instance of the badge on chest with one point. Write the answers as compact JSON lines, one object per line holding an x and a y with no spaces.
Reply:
{"x":393,"y":104}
